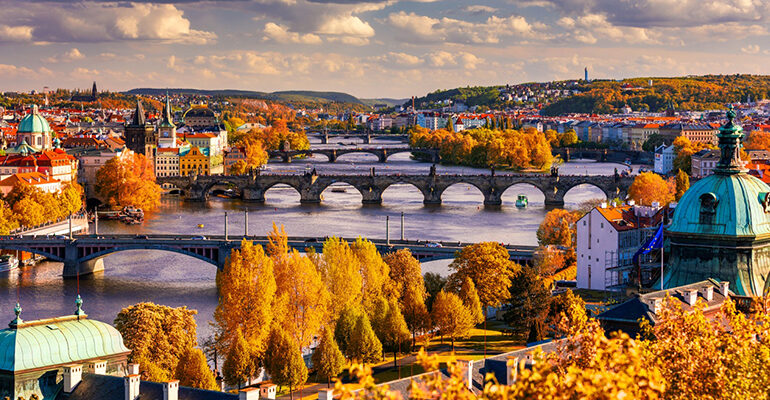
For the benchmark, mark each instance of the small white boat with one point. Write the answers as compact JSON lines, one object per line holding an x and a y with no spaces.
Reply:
{"x":8,"y":263}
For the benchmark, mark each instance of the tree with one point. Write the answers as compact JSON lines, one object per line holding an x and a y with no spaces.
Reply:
{"x":375,"y":273}
{"x":434,"y":283}
{"x":654,"y":141}
{"x":70,"y":198}
{"x":283,"y":360}
{"x":238,"y":366}
{"x":682,"y":184}
{"x":8,"y":220}
{"x":364,"y":346}
{"x":247,"y":289}
{"x":394,"y":333}
{"x":406,"y":273}
{"x":648,"y":188}
{"x":471,"y":300}
{"x":328,"y":360}
{"x":566,"y":308}
{"x":158,"y":337}
{"x":341,"y":274}
{"x":451,"y":317}
{"x":302,"y":296}
{"x":528,"y":305}
{"x":489,"y":266}
{"x":128,"y":180}
{"x":549,"y":260}
{"x":193,"y":371}
{"x":344,"y":327}
{"x":558,"y":228}
{"x":568,"y":138}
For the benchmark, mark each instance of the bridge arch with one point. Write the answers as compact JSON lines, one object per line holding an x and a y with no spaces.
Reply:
{"x":596,"y":192}
{"x":37,"y":251}
{"x":517,"y":188}
{"x":342,"y":155}
{"x":281,"y":184}
{"x":481,"y":190}
{"x":212,"y":259}
{"x":412,"y":188}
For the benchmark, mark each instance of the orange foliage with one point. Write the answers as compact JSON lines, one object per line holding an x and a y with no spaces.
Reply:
{"x":649,"y":187}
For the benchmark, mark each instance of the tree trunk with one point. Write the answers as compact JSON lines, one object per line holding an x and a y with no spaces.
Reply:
{"x":485,"y":331}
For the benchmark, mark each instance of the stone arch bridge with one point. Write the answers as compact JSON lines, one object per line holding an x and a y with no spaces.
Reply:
{"x":310,"y":187}
{"x":366,"y":137}
{"x":382,"y":153}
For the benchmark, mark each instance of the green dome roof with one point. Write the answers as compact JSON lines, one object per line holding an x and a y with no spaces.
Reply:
{"x":737,"y":211}
{"x":57,"y":341}
{"x":33,"y":123}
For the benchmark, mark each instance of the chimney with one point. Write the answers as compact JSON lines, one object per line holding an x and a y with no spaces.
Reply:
{"x":653,"y":304}
{"x":512,"y":370}
{"x":467,"y":365}
{"x":251,"y":393}
{"x":133,"y":369}
{"x":98,"y":367}
{"x":691,"y":296}
{"x":326,"y":394}
{"x":267,"y":391}
{"x":131,"y":384}
{"x":708,"y":293}
{"x":72,"y":376}
{"x":724,"y":288}
{"x":171,"y":390}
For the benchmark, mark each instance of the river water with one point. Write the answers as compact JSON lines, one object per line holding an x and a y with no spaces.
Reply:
{"x":177,"y":280}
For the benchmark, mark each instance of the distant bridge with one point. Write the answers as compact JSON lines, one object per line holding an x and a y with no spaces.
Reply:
{"x":84,"y":254}
{"x":310,"y":187}
{"x":382,"y":153}
{"x":366,"y":137}
{"x":603,"y":155}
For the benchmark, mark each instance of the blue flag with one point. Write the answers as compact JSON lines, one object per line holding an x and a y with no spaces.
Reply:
{"x":654,"y":242}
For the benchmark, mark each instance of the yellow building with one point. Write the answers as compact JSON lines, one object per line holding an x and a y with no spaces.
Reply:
{"x":195,"y":160}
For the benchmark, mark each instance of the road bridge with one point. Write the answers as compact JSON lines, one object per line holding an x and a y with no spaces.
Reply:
{"x":84,"y":254}
{"x":253,"y":186}
{"x":382,"y":153}
{"x":366,"y":137}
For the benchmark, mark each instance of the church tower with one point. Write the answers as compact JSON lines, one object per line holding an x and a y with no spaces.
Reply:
{"x":166,"y":128}
{"x":140,"y":136}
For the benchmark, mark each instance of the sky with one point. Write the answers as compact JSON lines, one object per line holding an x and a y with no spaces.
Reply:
{"x":372,"y":48}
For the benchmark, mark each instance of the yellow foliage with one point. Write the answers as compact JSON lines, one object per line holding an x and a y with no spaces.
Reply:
{"x":649,"y":187}
{"x":128,"y":181}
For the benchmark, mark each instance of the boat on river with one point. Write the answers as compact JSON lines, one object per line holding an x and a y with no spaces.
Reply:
{"x":8,"y":263}
{"x":522,"y":201}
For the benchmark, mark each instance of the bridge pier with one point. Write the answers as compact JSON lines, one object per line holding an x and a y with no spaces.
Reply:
{"x":367,"y":139}
{"x":75,"y":268}
{"x":286,"y":157}
{"x":371,"y":196}
{"x":431,"y":196}
{"x":251,"y":195}
{"x":307,"y":197}
{"x":493,"y":197}
{"x":382,"y":156}
{"x":332,"y":156}
{"x":196,"y":193}
{"x":325,"y":138}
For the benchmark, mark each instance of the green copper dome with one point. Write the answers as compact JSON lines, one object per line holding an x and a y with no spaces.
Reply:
{"x":721,"y":225}
{"x":33,"y":123}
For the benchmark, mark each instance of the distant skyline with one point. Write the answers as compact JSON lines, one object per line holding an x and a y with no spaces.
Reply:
{"x":374,"y":48}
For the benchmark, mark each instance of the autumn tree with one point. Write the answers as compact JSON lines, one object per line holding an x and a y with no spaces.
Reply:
{"x":70,"y":198}
{"x":239,"y":366}
{"x":434,"y":283}
{"x":470,"y":298}
{"x":682,"y":184}
{"x":528,"y":305}
{"x":302,"y":299}
{"x":345,"y":325}
{"x":406,"y":274}
{"x":341,"y":273}
{"x":283,"y":360}
{"x":375,"y":273}
{"x":549,"y":260}
{"x":328,"y":360}
{"x":247,"y":288}
{"x":488,"y":265}
{"x":193,"y":371}
{"x":8,"y":221}
{"x":392,"y":331}
{"x":649,"y":187}
{"x":128,"y":180}
{"x":758,"y":140}
{"x":451,"y":317}
{"x":158,"y":336}
{"x":558,"y":228}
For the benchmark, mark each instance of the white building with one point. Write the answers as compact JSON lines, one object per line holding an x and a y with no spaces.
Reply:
{"x":664,"y":159}
{"x":607,"y":239}
{"x":167,"y":162}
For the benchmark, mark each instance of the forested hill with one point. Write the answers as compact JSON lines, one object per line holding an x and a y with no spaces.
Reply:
{"x":685,"y":93}
{"x":609,"y":96}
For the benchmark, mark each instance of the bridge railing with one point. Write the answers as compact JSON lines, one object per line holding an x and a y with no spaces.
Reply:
{"x":23,"y":229}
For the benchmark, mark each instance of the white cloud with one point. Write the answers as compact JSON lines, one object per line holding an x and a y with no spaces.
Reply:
{"x":750,"y":49}
{"x":493,"y":30}
{"x":347,"y":25}
{"x":20,"y":33}
{"x":70,"y":55}
{"x":281,"y":34}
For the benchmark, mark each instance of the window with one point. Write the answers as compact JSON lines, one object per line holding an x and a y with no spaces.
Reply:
{"x":708,"y":208}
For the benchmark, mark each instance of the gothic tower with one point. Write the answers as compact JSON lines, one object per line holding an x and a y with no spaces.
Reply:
{"x":140,"y":136}
{"x":166,"y":128}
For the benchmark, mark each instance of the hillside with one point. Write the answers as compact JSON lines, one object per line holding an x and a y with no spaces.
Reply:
{"x":282,"y":96}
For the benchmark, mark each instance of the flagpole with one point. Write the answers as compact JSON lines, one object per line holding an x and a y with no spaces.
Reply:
{"x":661,"y":257}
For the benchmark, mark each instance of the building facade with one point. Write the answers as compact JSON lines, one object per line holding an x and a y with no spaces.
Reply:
{"x":194,"y":161}
{"x":140,"y":135}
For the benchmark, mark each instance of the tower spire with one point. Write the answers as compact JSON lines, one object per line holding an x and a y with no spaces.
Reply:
{"x":138,"y":114}
{"x":730,"y":135}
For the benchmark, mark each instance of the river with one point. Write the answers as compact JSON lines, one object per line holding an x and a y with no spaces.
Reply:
{"x":176,"y":280}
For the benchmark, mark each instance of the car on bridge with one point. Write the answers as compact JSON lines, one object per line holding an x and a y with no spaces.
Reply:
{"x":433,"y":245}
{"x":199,"y":237}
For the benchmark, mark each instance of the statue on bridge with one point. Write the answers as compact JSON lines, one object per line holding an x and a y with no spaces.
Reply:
{"x":432,"y":170}
{"x":555,"y":171}
{"x":492,"y":170}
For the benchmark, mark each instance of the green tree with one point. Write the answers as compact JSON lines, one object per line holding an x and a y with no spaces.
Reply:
{"x":394,"y":332}
{"x":528,"y":305}
{"x":364,"y":346}
{"x":434,"y":283}
{"x":283,"y":360}
{"x":450,"y":316}
{"x":193,"y":371}
{"x":471,"y":300}
{"x":238,"y":366}
{"x":328,"y":360}
{"x":158,"y":337}
{"x":344,"y":327}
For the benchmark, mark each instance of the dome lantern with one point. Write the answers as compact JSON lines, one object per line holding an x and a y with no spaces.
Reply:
{"x":730,"y":136}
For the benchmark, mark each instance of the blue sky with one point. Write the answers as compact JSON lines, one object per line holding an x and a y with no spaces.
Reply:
{"x":375,"y":48}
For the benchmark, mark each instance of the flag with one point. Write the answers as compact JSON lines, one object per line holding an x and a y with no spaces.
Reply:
{"x":654,"y":242}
